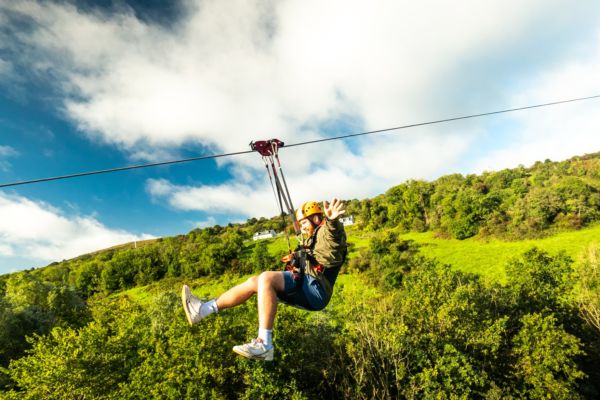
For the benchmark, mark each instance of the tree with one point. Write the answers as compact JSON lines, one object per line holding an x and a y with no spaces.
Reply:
{"x":66,"y":307}
{"x":587,"y":286}
{"x":87,"y":279}
{"x":463,"y":214}
{"x":546,"y":359}
{"x":261,"y":259}
{"x":11,"y":336}
{"x":119,"y":272}
{"x":32,"y":307}
{"x":148,"y":265}
{"x":24,"y":290}
{"x":540,"y":283}
{"x":87,"y":363}
{"x":409,"y":205}
{"x":222,"y":254}
{"x":378,"y":213}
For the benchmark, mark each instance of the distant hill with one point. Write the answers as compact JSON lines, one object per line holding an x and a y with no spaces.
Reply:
{"x":509,"y":204}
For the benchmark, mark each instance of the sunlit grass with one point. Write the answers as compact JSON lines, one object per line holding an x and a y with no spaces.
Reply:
{"x":489,"y":258}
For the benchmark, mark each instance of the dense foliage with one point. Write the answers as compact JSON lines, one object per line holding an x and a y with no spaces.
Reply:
{"x":440,"y":333}
{"x":510,"y":204}
{"x":110,"y":324}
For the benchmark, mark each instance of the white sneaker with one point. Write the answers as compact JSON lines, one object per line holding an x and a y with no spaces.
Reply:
{"x":191,"y":305}
{"x":255,"y":350}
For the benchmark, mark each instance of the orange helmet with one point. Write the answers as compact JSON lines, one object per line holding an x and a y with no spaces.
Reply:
{"x":307,"y":209}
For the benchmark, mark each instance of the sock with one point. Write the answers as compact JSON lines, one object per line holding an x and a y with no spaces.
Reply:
{"x":210,"y":307}
{"x":266,"y":335}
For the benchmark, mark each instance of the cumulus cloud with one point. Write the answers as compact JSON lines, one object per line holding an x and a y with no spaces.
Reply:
{"x":44,"y":233}
{"x":6,"y":250}
{"x":227,"y":198}
{"x":229,"y":72}
{"x":243,"y":68}
{"x":5,"y":68}
{"x":210,"y":221}
{"x":341,"y":174}
{"x":6,"y":152}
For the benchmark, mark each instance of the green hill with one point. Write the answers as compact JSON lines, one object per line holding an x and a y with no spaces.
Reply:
{"x":515,"y":315}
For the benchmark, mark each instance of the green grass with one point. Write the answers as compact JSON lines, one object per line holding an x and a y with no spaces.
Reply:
{"x":489,"y":258}
{"x":279,"y":245}
{"x":140,"y":294}
{"x":357,"y":239}
{"x":205,"y":287}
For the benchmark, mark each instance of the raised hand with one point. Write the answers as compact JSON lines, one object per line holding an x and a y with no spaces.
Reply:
{"x":334,"y":209}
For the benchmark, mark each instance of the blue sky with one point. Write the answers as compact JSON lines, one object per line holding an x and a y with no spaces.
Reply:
{"x":92,"y":85}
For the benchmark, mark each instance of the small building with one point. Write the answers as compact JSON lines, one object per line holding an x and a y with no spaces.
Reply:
{"x":347,"y":220}
{"x":264,"y":235}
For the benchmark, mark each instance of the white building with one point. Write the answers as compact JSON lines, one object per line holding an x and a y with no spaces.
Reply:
{"x":347,"y":220}
{"x":264,"y":235}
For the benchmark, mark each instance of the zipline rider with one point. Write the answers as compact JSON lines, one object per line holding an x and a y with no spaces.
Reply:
{"x":307,"y":283}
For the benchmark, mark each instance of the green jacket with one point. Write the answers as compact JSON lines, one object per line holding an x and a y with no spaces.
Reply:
{"x":328,"y":247}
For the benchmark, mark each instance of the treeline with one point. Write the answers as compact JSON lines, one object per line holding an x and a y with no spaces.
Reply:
{"x":202,"y":252}
{"x":509,"y":204}
{"x":437,"y":333}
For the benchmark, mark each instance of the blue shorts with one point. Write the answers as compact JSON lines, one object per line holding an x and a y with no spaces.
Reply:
{"x":310,"y":296}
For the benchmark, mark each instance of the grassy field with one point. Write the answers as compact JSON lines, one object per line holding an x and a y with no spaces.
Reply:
{"x":489,"y":258}
{"x":485,"y":257}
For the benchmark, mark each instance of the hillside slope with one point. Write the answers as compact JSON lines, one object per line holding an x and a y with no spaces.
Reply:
{"x":504,"y":320}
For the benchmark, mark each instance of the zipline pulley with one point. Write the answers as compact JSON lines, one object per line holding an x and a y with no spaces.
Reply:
{"x":269,"y":150}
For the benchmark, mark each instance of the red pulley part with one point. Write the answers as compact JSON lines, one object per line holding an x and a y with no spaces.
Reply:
{"x":266,"y":147}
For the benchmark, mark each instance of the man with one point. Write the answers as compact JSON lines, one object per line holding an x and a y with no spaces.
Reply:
{"x":325,"y":246}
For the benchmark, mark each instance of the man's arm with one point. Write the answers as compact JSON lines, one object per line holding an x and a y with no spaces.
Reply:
{"x":334,"y":209}
{"x":334,"y":229}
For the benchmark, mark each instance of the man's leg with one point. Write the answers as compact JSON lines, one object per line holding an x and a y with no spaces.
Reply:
{"x":195,"y":309}
{"x":269,"y":283}
{"x":238,"y":294}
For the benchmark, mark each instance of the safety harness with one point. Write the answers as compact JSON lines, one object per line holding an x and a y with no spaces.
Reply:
{"x":295,"y":261}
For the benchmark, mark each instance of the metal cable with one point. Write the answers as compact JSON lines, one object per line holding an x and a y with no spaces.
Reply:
{"x":105,"y":171}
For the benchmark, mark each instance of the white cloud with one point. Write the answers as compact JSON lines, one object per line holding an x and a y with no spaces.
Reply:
{"x":210,"y":221}
{"x":5,"y":68}
{"x":44,"y":234}
{"x":6,"y":250}
{"x":234,"y":71}
{"x":227,"y":198}
{"x":343,"y":175}
{"x":240,"y":69}
{"x":6,"y":152}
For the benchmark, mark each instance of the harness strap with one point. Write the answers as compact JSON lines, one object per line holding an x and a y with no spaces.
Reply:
{"x":295,"y":262}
